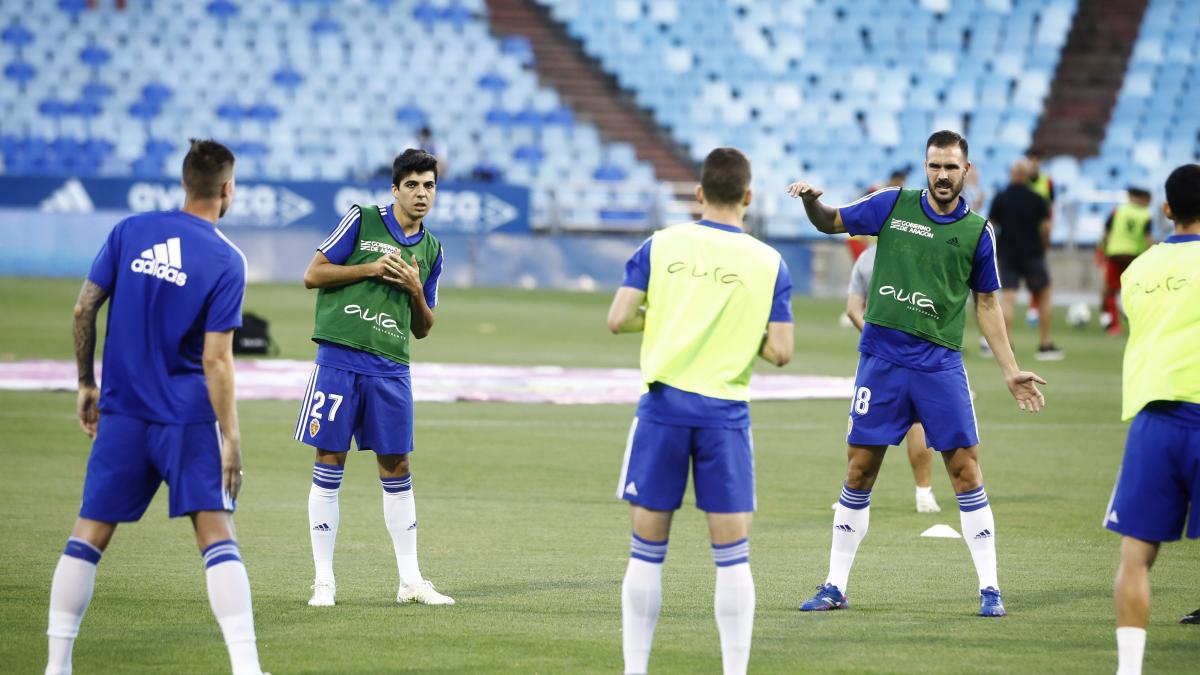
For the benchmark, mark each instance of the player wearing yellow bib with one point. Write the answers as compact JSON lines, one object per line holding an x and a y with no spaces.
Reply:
{"x":1158,"y":486}
{"x":1127,"y":234}
{"x":708,"y":298}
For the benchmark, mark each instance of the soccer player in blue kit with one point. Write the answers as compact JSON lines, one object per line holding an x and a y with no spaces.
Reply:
{"x":933,"y":252}
{"x":1158,"y":486}
{"x":166,"y":411}
{"x":378,"y":275}
{"x":708,"y":298}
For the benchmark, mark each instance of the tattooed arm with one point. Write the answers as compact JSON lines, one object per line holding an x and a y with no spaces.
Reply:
{"x":91,"y":297}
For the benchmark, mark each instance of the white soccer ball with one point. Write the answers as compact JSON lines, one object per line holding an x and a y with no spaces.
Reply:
{"x":1079,"y":314}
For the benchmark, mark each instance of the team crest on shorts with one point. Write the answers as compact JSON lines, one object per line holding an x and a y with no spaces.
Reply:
{"x":314,"y":426}
{"x":849,"y":425}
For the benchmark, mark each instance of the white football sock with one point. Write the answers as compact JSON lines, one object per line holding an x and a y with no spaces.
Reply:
{"x":641,"y":600}
{"x":733,"y":605}
{"x":229,"y":597}
{"x":849,"y":529}
{"x":400,"y":516}
{"x":979,"y":531}
{"x":70,"y":594}
{"x":323,"y":518}
{"x":1131,"y":646}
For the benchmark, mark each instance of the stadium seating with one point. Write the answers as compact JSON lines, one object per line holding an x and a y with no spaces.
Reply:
{"x":1155,"y":125}
{"x":838,"y":91}
{"x":301,"y":89}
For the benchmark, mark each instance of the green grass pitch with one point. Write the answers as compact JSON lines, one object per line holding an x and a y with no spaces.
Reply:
{"x":520,"y":525}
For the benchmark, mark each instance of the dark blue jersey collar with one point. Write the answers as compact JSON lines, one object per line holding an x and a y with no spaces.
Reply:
{"x":958,"y":213}
{"x":721,"y":226}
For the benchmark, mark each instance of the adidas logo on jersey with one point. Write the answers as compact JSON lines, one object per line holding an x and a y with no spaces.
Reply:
{"x":953,"y":241}
{"x":163,"y":261}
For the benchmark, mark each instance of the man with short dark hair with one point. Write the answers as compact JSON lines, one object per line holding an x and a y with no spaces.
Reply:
{"x":166,"y":411}
{"x":708,"y":299}
{"x":1126,"y":236}
{"x":1022,"y":219}
{"x":933,"y":252}
{"x":378,"y":276}
{"x":1158,"y":486}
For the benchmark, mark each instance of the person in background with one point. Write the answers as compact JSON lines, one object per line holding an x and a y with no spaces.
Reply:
{"x":1127,"y":234}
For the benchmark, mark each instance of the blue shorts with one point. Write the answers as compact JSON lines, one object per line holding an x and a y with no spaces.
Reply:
{"x":132,"y":457}
{"x":339,"y":404}
{"x":1159,"y":482}
{"x":888,"y":399}
{"x":655,"y":471}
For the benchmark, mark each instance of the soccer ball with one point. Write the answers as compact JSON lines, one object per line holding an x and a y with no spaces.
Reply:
{"x":1079,"y":314}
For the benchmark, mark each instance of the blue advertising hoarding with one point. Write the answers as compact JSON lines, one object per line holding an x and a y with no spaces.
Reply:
{"x":469,"y":208}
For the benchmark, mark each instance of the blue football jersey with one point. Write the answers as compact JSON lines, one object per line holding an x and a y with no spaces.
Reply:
{"x":171,"y":277}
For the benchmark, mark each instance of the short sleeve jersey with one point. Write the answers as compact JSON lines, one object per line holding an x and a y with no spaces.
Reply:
{"x":867,"y":216}
{"x":337,"y":248}
{"x":860,"y":274}
{"x":172,"y":277}
{"x":668,"y":405}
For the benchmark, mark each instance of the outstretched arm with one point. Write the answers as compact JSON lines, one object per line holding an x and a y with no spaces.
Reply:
{"x":825,"y":218}
{"x":1022,"y":384}
{"x":626,"y":314}
{"x":87,"y":306}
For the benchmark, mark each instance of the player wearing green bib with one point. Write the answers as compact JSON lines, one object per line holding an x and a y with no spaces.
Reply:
{"x":377,"y":274}
{"x":708,"y":299}
{"x":933,"y":252}
{"x":1158,"y":486}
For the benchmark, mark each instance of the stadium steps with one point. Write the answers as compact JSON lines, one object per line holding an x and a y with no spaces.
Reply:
{"x":595,"y":95}
{"x":1089,"y":76}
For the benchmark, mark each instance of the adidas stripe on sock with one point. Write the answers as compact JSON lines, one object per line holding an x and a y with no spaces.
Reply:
{"x":851,"y":518}
{"x":733,"y":553}
{"x":979,"y":531}
{"x":733,"y":604}
{"x":229,"y":597}
{"x":324,"y":516}
{"x":649,"y":551}
{"x":70,"y":595}
{"x":328,"y":476}
{"x":973,"y":500}
{"x":641,"y":600}
{"x":397,"y":485}
{"x":400,"y":516}
{"x":854,"y":499}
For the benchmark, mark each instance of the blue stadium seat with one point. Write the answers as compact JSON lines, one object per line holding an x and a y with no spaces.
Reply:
{"x":19,"y":72}
{"x":94,"y":56}
{"x":222,"y":10}
{"x":16,"y":35}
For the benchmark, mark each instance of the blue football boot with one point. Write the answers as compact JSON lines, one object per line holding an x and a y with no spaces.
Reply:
{"x":828,"y":597}
{"x":990,"y":603}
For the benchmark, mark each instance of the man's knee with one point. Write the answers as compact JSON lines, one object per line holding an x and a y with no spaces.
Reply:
{"x":211,"y":527}
{"x":962,"y":466}
{"x":393,"y":465}
{"x":863,"y":467}
{"x":95,"y":532}
{"x":329,"y":457}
